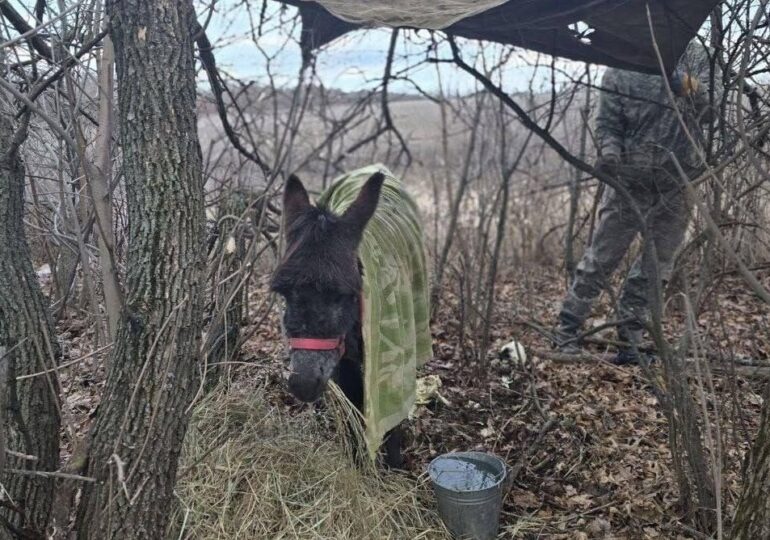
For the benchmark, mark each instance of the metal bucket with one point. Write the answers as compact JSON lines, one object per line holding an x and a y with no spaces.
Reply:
{"x":468,"y":487}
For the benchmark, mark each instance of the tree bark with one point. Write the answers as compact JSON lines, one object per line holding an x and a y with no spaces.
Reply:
{"x":227,"y":275}
{"x":752,"y":519}
{"x":141,"y":422}
{"x":99,"y":185}
{"x":31,"y":407}
{"x":570,"y":263}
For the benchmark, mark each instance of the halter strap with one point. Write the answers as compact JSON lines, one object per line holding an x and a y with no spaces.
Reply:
{"x":318,"y":344}
{"x":324,"y":344}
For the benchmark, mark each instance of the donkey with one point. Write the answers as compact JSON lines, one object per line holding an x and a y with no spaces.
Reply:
{"x":320,"y":278}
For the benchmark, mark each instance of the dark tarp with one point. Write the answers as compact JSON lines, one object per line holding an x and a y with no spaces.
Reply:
{"x":619,"y":33}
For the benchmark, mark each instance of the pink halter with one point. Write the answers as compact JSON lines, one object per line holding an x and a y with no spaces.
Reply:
{"x":319,"y":344}
{"x":324,"y":344}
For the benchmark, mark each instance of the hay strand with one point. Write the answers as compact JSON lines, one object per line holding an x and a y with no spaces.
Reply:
{"x":253,"y":471}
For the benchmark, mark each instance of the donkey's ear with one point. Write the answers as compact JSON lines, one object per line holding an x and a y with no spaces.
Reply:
{"x":362,"y":209}
{"x":295,"y":200}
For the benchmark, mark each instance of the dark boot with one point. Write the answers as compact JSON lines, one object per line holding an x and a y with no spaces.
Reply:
{"x":566,"y":333}
{"x":574,"y":311}
{"x":630,"y":355}
{"x":626,"y":357}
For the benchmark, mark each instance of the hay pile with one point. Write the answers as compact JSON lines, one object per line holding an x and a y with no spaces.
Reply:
{"x":253,"y":472}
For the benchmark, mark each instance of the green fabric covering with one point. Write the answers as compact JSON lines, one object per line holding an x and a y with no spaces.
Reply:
{"x":395,"y":326}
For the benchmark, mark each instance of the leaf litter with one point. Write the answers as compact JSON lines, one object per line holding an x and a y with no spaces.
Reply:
{"x":588,"y":442}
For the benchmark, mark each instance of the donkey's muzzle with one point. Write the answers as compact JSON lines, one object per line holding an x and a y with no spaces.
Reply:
{"x":310,"y":372}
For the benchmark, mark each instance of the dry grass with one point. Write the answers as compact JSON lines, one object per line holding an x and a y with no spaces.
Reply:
{"x":252,"y":471}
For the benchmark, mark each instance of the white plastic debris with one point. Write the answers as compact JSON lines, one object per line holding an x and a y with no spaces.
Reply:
{"x":230,"y":245}
{"x":513,"y":351}
{"x":44,"y":271}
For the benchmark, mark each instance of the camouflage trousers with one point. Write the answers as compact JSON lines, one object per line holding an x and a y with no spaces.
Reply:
{"x":666,"y":215}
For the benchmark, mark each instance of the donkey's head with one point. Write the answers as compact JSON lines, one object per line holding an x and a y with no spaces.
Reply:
{"x":320,"y":280}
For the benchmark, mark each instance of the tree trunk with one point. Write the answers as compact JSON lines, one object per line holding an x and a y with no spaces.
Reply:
{"x":31,"y":407}
{"x":752,"y":519}
{"x":141,"y":422}
{"x":570,"y":263}
{"x":99,"y":185}
{"x":227,"y":275}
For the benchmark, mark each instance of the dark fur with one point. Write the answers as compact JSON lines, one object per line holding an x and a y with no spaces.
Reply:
{"x":320,"y":279}
{"x":320,"y":254}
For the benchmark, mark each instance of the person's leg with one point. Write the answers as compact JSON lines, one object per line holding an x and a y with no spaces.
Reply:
{"x":667,"y":223}
{"x":614,"y":233}
{"x":632,"y":311}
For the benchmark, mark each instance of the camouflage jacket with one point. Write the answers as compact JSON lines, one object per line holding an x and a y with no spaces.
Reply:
{"x":637,"y":122}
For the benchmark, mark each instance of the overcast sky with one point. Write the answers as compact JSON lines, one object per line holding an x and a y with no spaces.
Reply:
{"x":352,"y":62}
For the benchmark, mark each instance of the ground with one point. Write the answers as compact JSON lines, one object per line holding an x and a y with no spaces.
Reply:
{"x":587,"y":442}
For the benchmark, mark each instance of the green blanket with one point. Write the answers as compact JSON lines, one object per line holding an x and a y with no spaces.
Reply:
{"x":396,"y":300}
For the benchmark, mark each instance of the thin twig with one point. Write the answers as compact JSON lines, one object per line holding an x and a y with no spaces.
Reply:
{"x":66,"y":364}
{"x":47,"y":474}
